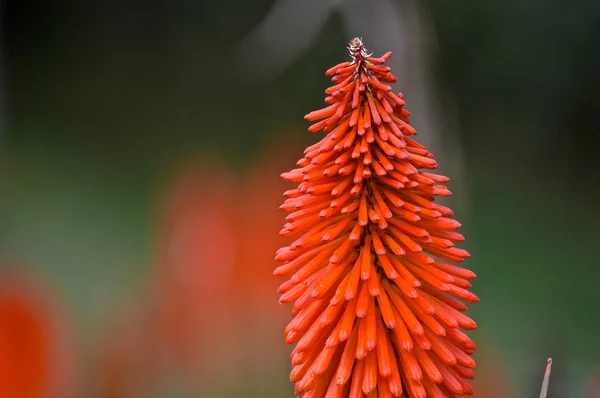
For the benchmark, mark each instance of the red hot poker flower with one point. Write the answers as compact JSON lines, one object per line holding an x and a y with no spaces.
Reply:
{"x":35,"y":347}
{"x":376,"y":310}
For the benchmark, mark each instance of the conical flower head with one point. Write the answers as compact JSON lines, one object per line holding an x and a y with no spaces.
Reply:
{"x":378,"y":307}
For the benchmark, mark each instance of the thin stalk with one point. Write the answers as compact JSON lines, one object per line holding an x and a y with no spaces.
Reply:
{"x":544,"y":392}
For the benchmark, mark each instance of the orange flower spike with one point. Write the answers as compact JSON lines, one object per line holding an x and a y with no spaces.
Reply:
{"x":377,"y":308}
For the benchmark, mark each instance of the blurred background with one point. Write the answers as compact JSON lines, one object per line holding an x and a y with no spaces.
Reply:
{"x":141,"y":144}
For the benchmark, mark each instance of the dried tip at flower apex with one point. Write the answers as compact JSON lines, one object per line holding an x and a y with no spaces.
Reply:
{"x":357,"y":49}
{"x":378,"y":306}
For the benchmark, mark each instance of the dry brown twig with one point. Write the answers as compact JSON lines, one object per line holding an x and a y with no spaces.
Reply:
{"x":546,"y":382}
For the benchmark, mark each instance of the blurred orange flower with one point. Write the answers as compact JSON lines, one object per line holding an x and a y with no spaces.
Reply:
{"x":197,"y":249}
{"x":373,"y":311}
{"x":35,"y":355}
{"x":258,"y":223}
{"x":217,"y":233}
